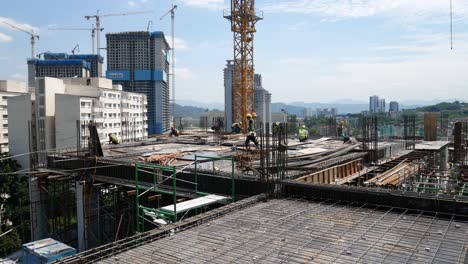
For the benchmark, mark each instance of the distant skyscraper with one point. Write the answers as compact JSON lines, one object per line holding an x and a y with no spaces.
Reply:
{"x":139,"y":61}
{"x":381,"y":105}
{"x":262,"y":102}
{"x":373,"y":104}
{"x":394,"y":107}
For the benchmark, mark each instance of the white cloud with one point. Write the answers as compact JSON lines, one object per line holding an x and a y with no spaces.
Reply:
{"x":300,"y":26}
{"x":210,"y":4}
{"x":184,"y":73}
{"x":404,"y":10}
{"x":131,"y":3}
{"x":5,"y":37}
{"x":424,"y":68}
{"x":180,"y":44}
{"x":21,"y":25}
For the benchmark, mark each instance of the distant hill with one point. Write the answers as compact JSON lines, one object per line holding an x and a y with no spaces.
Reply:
{"x":209,"y":105}
{"x":455,"y":106}
{"x":190,"y":111}
{"x":353,"y":107}
{"x":455,"y":109}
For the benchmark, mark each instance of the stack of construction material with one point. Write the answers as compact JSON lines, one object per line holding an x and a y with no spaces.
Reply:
{"x":394,"y":176}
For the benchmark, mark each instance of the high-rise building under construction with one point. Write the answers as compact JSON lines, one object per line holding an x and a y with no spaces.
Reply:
{"x":139,"y":62}
{"x":64,"y":65}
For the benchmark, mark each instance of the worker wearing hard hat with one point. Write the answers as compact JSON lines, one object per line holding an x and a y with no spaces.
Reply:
{"x":236,"y":128}
{"x":340,"y":130}
{"x":251,"y":131}
{"x":303,"y":133}
{"x":174,"y":132}
{"x":113,"y":139}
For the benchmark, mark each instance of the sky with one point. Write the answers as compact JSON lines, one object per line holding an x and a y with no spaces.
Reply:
{"x":306,"y":50}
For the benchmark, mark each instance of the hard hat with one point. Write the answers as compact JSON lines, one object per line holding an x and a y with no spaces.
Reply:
{"x":342,"y":122}
{"x":254,"y":114}
{"x":303,"y":126}
{"x":249,"y":116}
{"x":240,"y":123}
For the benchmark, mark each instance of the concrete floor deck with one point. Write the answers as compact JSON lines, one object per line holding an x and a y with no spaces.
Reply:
{"x":296,"y":231}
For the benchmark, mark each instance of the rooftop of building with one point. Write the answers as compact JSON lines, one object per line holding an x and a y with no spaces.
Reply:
{"x":130,"y":34}
{"x":64,"y":55}
{"x":63,"y":62}
{"x":12,"y":86}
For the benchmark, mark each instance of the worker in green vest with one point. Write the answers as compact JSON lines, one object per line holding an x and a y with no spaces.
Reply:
{"x":303,"y":133}
{"x":113,"y":139}
{"x":251,"y":136}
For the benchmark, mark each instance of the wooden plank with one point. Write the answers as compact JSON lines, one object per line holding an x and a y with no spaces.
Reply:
{"x":329,"y":175}
{"x":354,"y":176}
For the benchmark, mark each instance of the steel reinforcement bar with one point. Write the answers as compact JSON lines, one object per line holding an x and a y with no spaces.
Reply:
{"x":119,"y":246}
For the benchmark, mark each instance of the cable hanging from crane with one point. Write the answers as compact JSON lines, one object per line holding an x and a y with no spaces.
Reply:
{"x":172,"y":12}
{"x":451,"y":26}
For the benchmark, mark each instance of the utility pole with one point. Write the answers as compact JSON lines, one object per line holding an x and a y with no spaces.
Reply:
{"x":97,"y":17}
{"x":31,"y":33}
{"x":172,"y":12}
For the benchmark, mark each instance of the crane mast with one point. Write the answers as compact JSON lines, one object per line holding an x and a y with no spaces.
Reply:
{"x":243,"y":18}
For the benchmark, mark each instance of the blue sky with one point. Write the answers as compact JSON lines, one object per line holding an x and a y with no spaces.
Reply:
{"x":306,"y":50}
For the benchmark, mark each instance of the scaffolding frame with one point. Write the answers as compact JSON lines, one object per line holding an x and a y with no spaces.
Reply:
{"x":140,"y":218}
{"x":160,"y":170}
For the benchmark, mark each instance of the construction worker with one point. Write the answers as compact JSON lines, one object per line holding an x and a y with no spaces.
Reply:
{"x":303,"y":133}
{"x":236,"y":128}
{"x":340,"y":129}
{"x":174,"y":132}
{"x":276,"y":127}
{"x":113,"y":139}
{"x":250,"y":132}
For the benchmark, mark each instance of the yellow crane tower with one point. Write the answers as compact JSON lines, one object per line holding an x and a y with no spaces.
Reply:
{"x":243,"y":18}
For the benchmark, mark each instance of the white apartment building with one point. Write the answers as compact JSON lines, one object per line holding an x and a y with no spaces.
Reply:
{"x":111,"y":109}
{"x":62,"y":108}
{"x":8,"y":88}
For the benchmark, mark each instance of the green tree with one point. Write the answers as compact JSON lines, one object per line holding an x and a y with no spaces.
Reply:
{"x":9,"y":243}
{"x":16,"y":207}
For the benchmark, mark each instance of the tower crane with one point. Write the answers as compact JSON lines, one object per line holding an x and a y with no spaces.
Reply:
{"x":172,"y":12}
{"x":93,"y":30}
{"x":33,"y":35}
{"x":243,"y":18}
{"x":98,"y":17}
